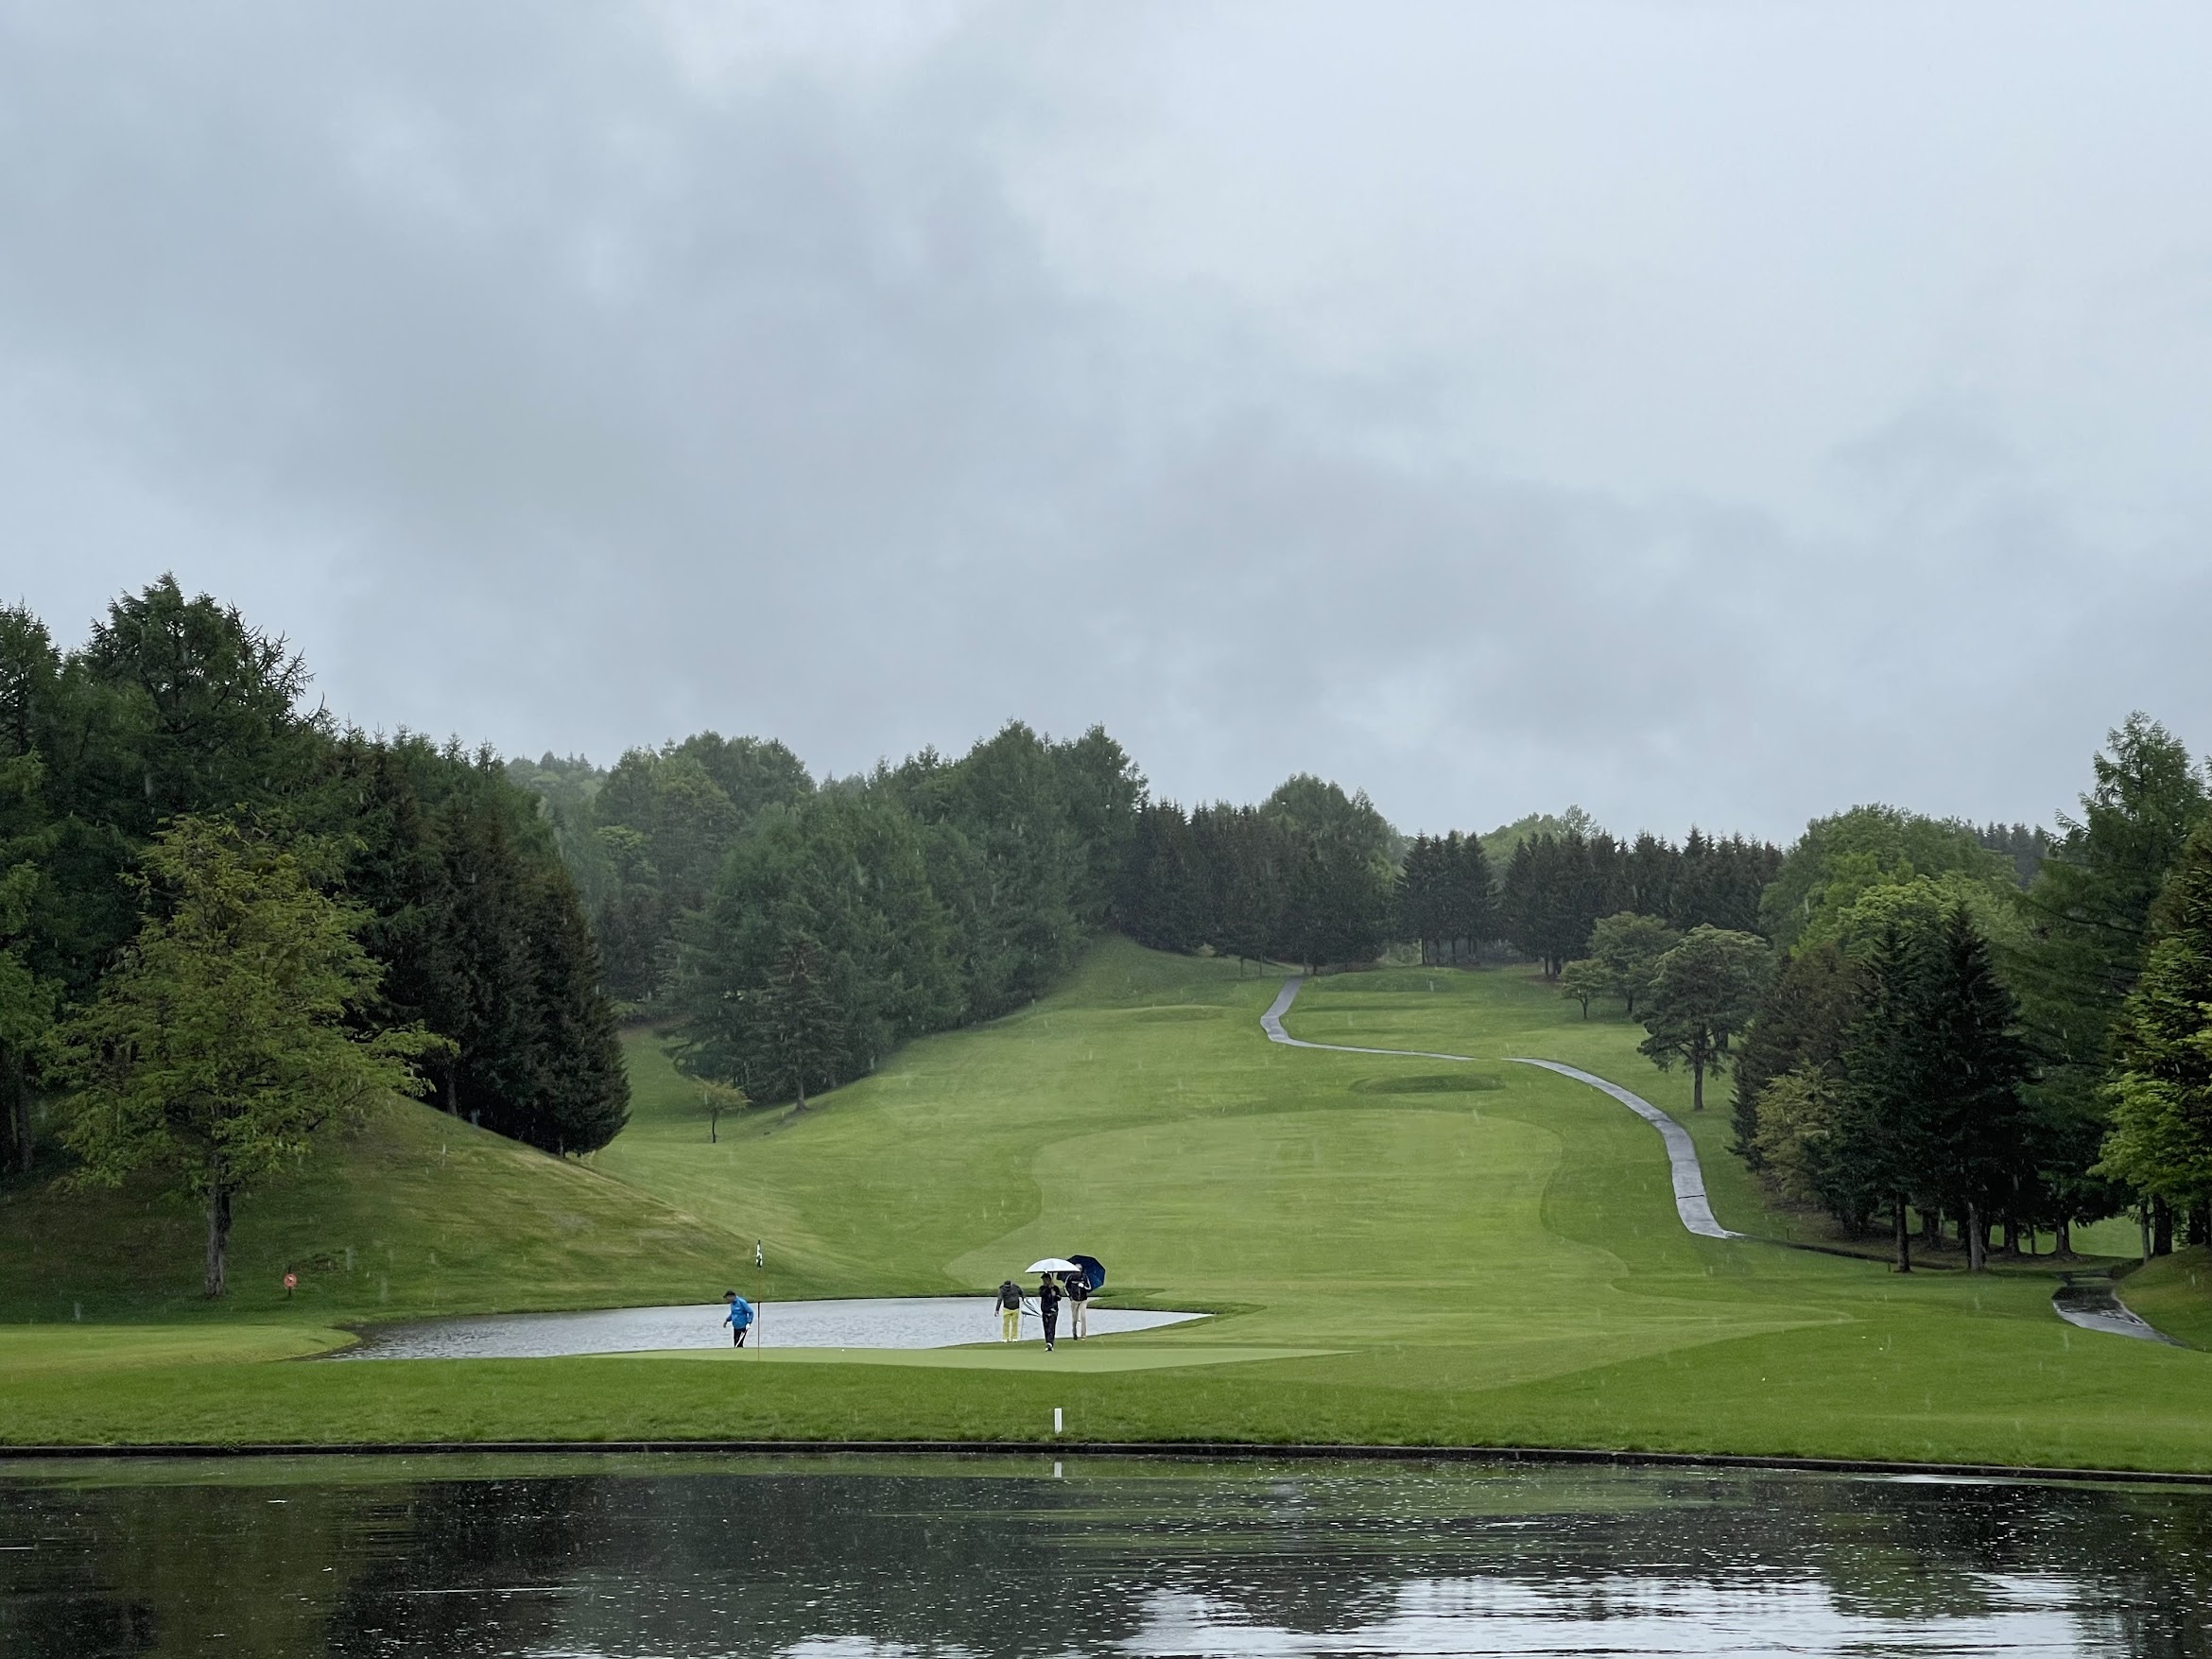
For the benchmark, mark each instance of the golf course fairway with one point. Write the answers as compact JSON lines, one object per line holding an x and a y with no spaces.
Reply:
{"x":1397,"y":1250}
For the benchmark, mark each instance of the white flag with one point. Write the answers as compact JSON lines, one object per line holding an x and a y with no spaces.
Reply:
{"x":758,"y":1260}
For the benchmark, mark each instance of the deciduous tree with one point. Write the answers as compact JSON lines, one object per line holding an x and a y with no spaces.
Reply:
{"x":1585,"y":979}
{"x":1703,"y":995}
{"x":1628,"y":947}
{"x":224,"y":1040}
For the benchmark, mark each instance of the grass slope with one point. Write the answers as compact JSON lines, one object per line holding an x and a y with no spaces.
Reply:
{"x":2174,"y":1293}
{"x":1481,"y":1254}
{"x":416,"y":1214}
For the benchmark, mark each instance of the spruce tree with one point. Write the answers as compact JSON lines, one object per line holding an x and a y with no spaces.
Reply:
{"x":1977,"y":1137}
{"x":2160,"y":1094}
{"x":1253,"y":856}
{"x":1420,"y":896}
{"x":1471,"y":911}
{"x":1883,"y":1136}
{"x":581,"y":1098}
{"x":1802,"y":1025}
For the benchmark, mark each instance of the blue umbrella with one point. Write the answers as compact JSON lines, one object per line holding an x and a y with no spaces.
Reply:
{"x":1093,"y":1270}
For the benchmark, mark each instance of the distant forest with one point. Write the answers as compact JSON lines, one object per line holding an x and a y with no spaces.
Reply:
{"x":793,"y":933}
{"x":1931,"y":1024}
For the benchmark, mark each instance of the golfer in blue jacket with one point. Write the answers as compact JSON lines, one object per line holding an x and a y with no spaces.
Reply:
{"x":739,"y":1318}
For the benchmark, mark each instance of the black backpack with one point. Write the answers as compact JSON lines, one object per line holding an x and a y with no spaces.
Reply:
{"x":1009,"y":1295}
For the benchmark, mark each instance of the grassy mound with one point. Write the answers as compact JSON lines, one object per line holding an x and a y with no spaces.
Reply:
{"x":418,"y":1213}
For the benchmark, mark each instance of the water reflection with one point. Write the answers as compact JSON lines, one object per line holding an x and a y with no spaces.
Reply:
{"x":698,"y":1556}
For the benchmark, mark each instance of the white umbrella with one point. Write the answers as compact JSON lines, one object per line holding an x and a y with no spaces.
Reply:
{"x":1052,"y":1264}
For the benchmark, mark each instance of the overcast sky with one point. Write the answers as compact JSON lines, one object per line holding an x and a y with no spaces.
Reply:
{"x":1701,"y":412}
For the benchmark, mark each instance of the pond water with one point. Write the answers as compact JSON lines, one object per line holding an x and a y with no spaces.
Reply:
{"x":822,"y":1558}
{"x":905,"y":1321}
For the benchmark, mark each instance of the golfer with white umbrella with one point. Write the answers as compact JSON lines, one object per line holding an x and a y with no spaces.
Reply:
{"x":1049,"y":1293}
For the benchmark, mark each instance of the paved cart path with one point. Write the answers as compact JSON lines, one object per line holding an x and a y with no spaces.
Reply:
{"x":2091,"y":1303}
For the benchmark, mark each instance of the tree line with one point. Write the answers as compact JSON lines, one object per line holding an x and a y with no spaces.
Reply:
{"x":1557,"y":887}
{"x":647,"y":841}
{"x":846,"y":919}
{"x":1950,"y":1050}
{"x":171,"y":761}
{"x":1309,"y":876}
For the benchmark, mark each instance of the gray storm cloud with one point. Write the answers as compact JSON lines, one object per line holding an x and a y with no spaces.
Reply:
{"x":1700,"y":413}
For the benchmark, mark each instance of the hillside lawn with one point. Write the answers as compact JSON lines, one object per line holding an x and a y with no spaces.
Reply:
{"x":1398,"y":1251}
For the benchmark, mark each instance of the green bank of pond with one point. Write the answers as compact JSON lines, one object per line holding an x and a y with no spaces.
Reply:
{"x":683,"y":1555}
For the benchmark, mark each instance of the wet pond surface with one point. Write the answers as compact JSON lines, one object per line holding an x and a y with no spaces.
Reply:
{"x":906,"y":1321}
{"x":821,"y":1557}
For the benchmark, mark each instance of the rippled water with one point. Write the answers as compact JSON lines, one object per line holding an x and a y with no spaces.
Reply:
{"x":903,"y":1321}
{"x":698,"y":1556}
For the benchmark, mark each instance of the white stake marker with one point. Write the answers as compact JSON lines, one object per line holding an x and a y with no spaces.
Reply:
{"x":1056,"y":1420}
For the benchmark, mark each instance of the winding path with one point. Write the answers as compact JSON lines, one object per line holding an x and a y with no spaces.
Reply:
{"x":2088,"y":1301}
{"x":1690,"y":1203}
